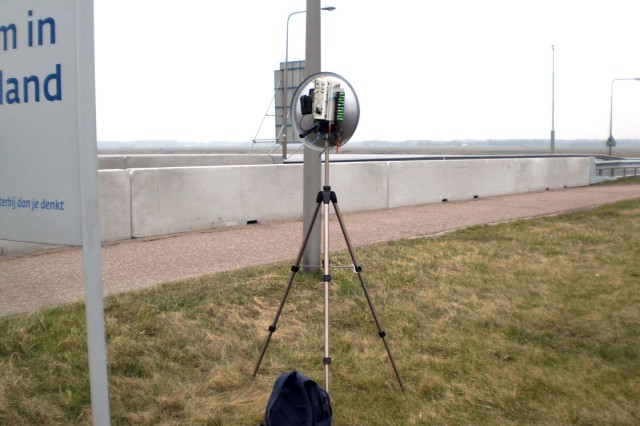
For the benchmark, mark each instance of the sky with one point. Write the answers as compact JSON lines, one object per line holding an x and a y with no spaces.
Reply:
{"x":202,"y":70}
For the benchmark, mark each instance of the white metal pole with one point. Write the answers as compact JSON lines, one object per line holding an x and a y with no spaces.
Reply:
{"x":611,"y":141}
{"x":94,"y":305}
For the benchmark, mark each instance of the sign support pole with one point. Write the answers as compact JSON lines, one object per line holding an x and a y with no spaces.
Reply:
{"x":91,"y":241}
{"x":55,"y":201}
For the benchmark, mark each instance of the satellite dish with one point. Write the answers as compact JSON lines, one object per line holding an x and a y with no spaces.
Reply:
{"x":325,"y":111}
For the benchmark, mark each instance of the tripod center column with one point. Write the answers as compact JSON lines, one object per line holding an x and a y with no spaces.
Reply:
{"x":326,"y":197}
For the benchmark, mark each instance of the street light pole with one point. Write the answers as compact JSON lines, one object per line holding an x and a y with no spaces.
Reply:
{"x":285,"y":95}
{"x":312,"y":167}
{"x":553,"y":99}
{"x":611,"y":142}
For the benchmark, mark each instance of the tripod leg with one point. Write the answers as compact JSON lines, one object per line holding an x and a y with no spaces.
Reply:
{"x":294,"y":270}
{"x":358,"y":269}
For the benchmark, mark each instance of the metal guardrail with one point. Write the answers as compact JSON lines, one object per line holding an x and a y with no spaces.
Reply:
{"x":618,"y":167}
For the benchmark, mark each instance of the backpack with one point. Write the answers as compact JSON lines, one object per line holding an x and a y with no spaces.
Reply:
{"x":296,"y":400}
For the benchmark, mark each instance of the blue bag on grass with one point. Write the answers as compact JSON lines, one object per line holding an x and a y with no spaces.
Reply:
{"x":296,"y":400}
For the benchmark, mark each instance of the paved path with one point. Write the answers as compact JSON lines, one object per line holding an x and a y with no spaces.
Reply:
{"x":48,"y":278}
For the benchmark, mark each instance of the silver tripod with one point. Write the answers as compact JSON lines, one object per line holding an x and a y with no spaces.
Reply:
{"x":325,"y":197}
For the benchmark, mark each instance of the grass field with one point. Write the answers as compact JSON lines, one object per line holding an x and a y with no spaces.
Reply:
{"x":528,"y":322}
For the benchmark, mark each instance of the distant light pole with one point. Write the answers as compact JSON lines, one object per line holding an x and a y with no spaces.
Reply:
{"x":285,"y":98}
{"x":611,"y":142}
{"x":553,"y":99}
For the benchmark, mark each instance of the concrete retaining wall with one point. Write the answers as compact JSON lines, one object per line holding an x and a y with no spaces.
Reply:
{"x":145,"y":202}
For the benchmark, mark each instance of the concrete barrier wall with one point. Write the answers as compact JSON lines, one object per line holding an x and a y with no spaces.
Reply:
{"x":359,"y":186}
{"x":140,"y":161}
{"x":114,"y":190}
{"x":106,"y":162}
{"x":420,"y":182}
{"x":114,"y":200}
{"x":172,"y":200}
{"x":7,"y":247}
{"x":157,"y":201}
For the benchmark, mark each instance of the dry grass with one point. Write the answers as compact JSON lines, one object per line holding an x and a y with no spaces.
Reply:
{"x":530,"y":322}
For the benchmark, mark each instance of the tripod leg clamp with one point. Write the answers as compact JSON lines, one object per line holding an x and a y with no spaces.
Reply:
{"x":272,"y":328}
{"x":327,"y":194}
{"x":382,"y":334}
{"x":326,"y":361}
{"x":295,"y":268}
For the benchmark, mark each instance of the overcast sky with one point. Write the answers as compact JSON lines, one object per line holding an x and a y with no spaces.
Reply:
{"x":202,"y":70}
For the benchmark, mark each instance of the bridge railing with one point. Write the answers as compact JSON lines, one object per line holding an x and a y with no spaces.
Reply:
{"x":618,"y":168}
